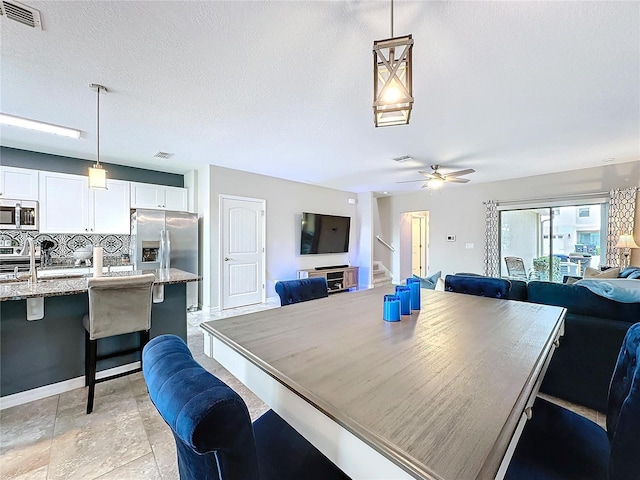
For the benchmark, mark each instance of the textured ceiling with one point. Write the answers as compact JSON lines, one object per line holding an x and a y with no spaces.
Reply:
{"x":510,"y":89}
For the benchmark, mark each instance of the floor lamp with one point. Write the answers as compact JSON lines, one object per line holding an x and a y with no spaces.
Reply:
{"x":626,"y":243}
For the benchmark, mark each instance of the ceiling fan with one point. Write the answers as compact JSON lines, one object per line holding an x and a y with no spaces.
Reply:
{"x":436,"y":179}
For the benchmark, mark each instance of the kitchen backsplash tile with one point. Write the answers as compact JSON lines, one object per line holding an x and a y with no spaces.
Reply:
{"x":65,"y":244}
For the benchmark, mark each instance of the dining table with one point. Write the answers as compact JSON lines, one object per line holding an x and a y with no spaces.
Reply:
{"x":442,"y":394}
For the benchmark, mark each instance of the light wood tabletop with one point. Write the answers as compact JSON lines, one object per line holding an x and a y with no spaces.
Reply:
{"x":439,"y":394}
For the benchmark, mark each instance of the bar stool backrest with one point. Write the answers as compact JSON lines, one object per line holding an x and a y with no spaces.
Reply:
{"x":119,"y":305}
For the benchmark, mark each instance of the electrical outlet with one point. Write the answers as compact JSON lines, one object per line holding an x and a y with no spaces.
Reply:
{"x":469,"y":245}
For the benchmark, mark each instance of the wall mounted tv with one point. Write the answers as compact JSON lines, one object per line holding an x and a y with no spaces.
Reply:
{"x":324,"y":234}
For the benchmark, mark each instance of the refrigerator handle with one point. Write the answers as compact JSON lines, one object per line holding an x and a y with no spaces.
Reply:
{"x":167,"y":252}
{"x":162,"y":249}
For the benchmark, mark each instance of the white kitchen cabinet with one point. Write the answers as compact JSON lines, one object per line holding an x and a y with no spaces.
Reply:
{"x":159,"y":197}
{"x":109,"y":210}
{"x":68,"y":206}
{"x":64,"y":203}
{"x":18,"y":183}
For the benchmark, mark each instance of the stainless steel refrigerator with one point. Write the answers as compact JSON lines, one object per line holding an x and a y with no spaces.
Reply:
{"x":165,"y":239}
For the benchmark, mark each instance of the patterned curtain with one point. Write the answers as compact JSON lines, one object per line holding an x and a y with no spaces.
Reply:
{"x":491,"y":246}
{"x":622,"y":208}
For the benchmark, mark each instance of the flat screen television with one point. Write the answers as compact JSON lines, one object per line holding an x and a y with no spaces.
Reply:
{"x":324,"y":234}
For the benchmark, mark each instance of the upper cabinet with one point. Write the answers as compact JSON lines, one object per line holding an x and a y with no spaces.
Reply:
{"x":68,"y":206}
{"x":146,"y":195}
{"x":18,"y":183}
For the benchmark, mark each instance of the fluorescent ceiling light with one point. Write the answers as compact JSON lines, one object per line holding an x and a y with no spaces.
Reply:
{"x":14,"y":121}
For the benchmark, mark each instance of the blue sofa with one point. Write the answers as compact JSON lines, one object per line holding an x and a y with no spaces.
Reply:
{"x":581,"y":368}
{"x":301,"y":290}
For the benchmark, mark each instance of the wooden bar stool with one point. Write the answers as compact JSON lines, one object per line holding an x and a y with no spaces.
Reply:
{"x":117,"y":305}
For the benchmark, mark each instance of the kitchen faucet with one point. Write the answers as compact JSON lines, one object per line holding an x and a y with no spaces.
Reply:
{"x":33,"y":272}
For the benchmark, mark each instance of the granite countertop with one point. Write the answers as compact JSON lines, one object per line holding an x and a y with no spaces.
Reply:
{"x":53,"y":287}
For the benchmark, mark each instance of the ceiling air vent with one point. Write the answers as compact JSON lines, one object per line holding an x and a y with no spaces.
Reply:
{"x":21,"y":13}
{"x":163,"y":155}
{"x":402,"y":159}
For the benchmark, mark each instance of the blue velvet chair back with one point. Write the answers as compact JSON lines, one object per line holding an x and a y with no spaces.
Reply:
{"x":623,"y":412}
{"x":476,"y":285}
{"x":210,"y":422}
{"x":301,"y":290}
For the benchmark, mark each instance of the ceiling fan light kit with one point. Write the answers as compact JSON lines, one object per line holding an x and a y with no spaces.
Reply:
{"x":392,"y":80}
{"x":435,"y":179}
{"x":97,"y":174}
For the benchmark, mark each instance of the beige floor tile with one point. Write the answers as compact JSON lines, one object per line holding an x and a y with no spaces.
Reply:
{"x":87,"y":446}
{"x":38,"y":474}
{"x":26,"y":433}
{"x":143,"y":468}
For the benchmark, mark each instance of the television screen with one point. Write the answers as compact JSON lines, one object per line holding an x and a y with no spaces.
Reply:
{"x":324,"y":234}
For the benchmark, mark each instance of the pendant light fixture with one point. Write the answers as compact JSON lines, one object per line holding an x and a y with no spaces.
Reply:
{"x":392,"y":83}
{"x":97,"y":174}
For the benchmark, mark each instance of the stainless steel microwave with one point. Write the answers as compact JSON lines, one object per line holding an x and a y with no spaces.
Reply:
{"x":18,"y":214}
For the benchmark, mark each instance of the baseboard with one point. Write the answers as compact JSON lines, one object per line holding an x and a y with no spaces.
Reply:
{"x":39,"y":393}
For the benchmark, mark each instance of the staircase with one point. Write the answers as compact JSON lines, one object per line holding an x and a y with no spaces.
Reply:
{"x":381,"y":274}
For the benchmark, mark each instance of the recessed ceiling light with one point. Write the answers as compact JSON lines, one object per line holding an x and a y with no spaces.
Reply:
{"x":607,"y":160}
{"x":385,"y":193}
{"x":14,"y":121}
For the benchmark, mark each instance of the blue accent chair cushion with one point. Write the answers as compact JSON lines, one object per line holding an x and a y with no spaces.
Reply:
{"x":476,"y":285}
{"x":430,"y":281}
{"x":559,"y":444}
{"x":212,"y":429}
{"x":301,"y":290}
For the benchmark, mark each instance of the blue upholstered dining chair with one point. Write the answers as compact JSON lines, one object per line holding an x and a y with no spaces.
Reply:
{"x":559,"y":444}
{"x":301,"y":290}
{"x":476,"y":285}
{"x":214,"y":436}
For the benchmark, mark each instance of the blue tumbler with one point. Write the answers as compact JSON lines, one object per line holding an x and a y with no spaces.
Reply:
{"x":405,"y":299}
{"x":391,"y":308}
{"x":414,"y":286}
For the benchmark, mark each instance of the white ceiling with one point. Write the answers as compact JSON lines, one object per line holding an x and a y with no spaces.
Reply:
{"x":510,"y":89}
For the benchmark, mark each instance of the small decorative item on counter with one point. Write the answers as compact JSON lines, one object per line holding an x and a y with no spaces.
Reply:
{"x":83,"y":254}
{"x":405,"y":299}
{"x":414,"y":286}
{"x":391,"y":308}
{"x":125,"y":259}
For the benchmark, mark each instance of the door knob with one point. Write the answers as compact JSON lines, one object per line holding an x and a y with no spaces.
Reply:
{"x":226,"y":259}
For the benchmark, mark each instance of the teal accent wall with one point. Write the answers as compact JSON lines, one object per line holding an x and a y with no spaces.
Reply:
{"x":13,"y":157}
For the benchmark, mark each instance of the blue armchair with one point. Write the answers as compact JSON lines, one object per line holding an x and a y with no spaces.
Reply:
{"x":559,"y":444}
{"x":477,"y":285}
{"x":214,"y":436}
{"x":301,"y":290}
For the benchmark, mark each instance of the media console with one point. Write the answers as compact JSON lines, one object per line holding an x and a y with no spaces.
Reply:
{"x":338,"y":278}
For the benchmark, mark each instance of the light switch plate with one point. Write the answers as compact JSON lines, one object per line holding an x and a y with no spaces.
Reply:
{"x":469,"y":245}
{"x":451,"y":238}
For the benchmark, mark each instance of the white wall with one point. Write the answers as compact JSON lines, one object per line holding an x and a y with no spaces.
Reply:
{"x":458,"y":210}
{"x":285,"y":202}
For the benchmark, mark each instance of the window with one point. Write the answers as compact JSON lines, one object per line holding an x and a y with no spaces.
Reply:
{"x":553,"y":241}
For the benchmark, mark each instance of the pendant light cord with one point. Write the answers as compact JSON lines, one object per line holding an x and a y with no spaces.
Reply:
{"x":98,"y":125}
{"x":391,"y":18}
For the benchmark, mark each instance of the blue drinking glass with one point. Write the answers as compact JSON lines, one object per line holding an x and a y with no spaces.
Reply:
{"x":405,"y":299}
{"x":414,"y":286}
{"x":391,"y":308}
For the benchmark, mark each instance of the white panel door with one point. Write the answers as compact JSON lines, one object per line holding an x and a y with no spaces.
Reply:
{"x":242,"y":249}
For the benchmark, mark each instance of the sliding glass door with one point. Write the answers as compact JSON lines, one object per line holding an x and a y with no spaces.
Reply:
{"x":552,"y":241}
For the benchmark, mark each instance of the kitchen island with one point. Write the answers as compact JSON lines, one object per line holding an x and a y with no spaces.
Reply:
{"x":48,"y":354}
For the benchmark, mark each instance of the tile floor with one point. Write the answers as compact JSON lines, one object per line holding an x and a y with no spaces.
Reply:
{"x":124,"y":437}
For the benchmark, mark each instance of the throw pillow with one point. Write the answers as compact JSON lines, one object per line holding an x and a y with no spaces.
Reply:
{"x":429,"y":282}
{"x":595,"y":273}
{"x":440,"y":285}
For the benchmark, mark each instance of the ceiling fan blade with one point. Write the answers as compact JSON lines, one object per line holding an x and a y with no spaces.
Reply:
{"x":410,"y":181}
{"x":459,"y":173}
{"x":428,"y":175}
{"x":456,"y":180}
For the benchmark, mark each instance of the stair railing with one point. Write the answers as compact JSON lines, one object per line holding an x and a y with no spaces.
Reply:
{"x":385,"y":243}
